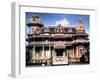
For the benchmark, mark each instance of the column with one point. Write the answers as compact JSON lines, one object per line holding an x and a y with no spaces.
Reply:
{"x":84,"y":50}
{"x":77,"y":51}
{"x":43,"y":51}
{"x":30,"y":55}
{"x":49,"y":51}
{"x":73,"y":52}
{"x":33,"y":51}
{"x":64,"y":53}
{"x":53,"y":52}
{"x":81,"y":51}
{"x":49,"y":47}
{"x":48,"y":55}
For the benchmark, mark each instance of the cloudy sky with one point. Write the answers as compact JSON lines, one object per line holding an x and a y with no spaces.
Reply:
{"x":63,"y":19}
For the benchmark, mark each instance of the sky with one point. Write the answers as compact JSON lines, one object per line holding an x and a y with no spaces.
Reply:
{"x":64,"y":19}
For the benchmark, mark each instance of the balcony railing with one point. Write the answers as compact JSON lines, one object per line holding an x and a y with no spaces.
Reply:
{"x":41,"y":58}
{"x":52,"y":42}
{"x":81,"y":41}
{"x":60,"y":60}
{"x":58,"y":42}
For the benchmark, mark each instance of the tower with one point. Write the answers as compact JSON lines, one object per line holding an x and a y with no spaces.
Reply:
{"x":81,"y":39}
{"x":34,"y":24}
{"x":80,"y":27}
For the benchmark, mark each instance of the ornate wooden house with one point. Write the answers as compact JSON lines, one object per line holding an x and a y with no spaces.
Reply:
{"x":56,"y":45}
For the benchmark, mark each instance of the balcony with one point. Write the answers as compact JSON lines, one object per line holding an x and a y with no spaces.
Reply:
{"x":41,"y":60}
{"x":61,"y":35}
{"x":80,"y":41}
{"x":51,"y":43}
{"x":58,"y":43}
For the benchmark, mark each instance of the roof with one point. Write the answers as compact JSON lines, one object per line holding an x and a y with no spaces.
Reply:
{"x":34,"y":24}
{"x":54,"y":30}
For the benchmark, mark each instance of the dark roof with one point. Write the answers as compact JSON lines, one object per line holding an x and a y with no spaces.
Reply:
{"x":52,"y":30}
{"x":34,"y":24}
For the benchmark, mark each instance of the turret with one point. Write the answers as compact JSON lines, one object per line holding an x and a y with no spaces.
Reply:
{"x":80,"y":27}
{"x":34,"y":24}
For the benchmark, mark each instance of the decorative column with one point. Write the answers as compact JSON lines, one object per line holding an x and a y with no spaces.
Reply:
{"x":49,"y":47}
{"x":64,"y":53}
{"x":84,"y":50}
{"x":49,"y":51}
{"x":49,"y":56}
{"x":54,"y":53}
{"x":77,"y":51}
{"x":73,"y":52}
{"x":33,"y":54}
{"x":33,"y":51}
{"x":43,"y":51}
{"x":30,"y":55}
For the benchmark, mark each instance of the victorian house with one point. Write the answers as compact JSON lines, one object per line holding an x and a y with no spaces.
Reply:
{"x":56,"y":45}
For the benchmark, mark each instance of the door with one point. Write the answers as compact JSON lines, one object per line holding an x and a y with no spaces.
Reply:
{"x":59,"y":58}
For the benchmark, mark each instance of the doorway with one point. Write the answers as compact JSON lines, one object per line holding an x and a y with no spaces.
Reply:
{"x":59,"y":52}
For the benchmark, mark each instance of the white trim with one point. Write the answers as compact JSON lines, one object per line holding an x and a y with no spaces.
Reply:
{"x":15,"y":41}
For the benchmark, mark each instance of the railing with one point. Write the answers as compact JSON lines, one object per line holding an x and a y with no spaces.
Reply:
{"x":72,"y":60}
{"x":41,"y":58}
{"x":55,"y":35}
{"x":51,"y":42}
{"x":61,"y":35}
{"x":80,"y":41}
{"x":42,"y":42}
{"x":59,"y":42}
{"x":60,"y":60}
